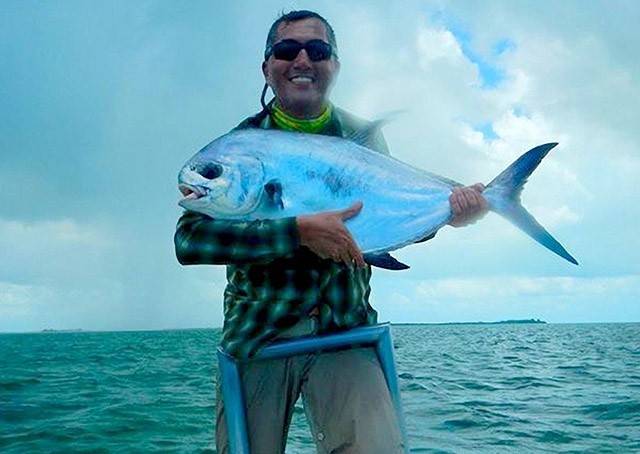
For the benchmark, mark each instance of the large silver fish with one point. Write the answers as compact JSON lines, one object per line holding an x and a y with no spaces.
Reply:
{"x":266,"y":174}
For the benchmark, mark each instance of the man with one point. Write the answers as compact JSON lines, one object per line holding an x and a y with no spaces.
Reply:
{"x":303,"y":276}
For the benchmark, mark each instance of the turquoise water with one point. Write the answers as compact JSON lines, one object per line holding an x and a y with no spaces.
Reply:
{"x":466,"y":388}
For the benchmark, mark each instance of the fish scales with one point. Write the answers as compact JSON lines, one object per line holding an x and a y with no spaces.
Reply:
{"x":268,"y":174}
{"x":401,"y":204}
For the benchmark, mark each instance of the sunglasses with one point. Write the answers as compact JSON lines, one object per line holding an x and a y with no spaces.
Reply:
{"x":288,"y":49}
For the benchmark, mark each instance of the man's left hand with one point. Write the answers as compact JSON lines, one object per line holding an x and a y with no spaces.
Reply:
{"x":467,"y":204}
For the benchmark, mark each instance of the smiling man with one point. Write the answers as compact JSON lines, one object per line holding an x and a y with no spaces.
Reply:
{"x":277,"y":265}
{"x":301,"y":67}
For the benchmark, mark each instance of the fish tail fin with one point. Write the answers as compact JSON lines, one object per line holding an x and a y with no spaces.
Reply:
{"x":503,"y":195}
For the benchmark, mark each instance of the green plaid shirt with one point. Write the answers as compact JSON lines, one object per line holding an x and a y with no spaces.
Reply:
{"x":272,"y":281}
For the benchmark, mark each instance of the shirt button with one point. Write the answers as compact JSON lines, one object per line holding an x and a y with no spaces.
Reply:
{"x":320,"y":436}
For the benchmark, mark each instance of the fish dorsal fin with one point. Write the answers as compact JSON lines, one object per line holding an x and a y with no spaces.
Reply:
{"x":385,"y":260}
{"x":363,"y":136}
{"x":273,"y":192}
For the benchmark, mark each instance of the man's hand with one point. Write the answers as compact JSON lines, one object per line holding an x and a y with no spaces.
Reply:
{"x":326,"y":235}
{"x":467,"y":204}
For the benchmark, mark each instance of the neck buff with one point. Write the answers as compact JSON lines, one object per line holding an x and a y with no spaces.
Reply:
{"x":286,"y":122}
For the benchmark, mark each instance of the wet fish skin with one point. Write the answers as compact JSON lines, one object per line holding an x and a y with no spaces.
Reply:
{"x":270,"y":174}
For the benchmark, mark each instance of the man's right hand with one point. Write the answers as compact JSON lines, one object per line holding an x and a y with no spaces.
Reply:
{"x":326,"y":235}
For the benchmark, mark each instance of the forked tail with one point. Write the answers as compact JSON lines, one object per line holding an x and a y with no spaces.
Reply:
{"x":503,"y":195}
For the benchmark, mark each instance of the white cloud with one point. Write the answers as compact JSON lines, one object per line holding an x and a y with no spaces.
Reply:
{"x":568,"y":87}
{"x":492,"y":298}
{"x":17,"y":299}
{"x":99,"y":304}
{"x":519,"y":287}
{"x":64,"y":231}
{"x":573,"y":81}
{"x":556,"y":216}
{"x":434,"y":44}
{"x":54,"y":249}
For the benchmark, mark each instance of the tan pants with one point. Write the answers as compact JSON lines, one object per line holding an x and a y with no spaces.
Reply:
{"x":345,"y":397}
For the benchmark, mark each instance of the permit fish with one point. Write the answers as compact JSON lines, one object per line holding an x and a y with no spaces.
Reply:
{"x":254,"y":174}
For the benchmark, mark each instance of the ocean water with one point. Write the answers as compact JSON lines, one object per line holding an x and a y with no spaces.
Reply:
{"x":465,"y":388}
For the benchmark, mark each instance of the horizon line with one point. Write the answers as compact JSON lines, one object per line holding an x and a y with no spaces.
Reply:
{"x":135,"y":330}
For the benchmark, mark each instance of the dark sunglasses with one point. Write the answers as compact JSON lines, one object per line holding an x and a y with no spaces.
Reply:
{"x":288,"y":49}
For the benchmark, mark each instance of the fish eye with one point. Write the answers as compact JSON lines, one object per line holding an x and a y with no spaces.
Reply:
{"x":210,"y":171}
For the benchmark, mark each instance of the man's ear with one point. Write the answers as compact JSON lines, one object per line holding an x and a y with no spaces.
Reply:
{"x":265,"y":71}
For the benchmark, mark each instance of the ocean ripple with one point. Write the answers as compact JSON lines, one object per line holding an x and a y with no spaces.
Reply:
{"x":465,"y":388}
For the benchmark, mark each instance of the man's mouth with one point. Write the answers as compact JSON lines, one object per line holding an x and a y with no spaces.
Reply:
{"x":191,"y":192}
{"x":301,"y":80}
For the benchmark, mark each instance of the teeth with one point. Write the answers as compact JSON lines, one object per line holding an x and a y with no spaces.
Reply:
{"x":192,"y":192}
{"x":301,"y":79}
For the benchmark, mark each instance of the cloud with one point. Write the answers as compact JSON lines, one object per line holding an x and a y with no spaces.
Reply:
{"x":525,"y":287}
{"x":18,"y":300}
{"x":89,"y":206}
{"x":55,"y":250}
{"x":551,"y":298}
{"x":435,"y":45}
{"x":95,"y":305}
{"x":557,"y":216}
{"x":65,"y":231}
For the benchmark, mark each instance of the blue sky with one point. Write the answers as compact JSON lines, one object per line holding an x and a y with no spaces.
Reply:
{"x":102,"y":102}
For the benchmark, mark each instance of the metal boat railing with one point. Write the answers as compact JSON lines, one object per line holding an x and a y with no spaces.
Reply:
{"x":377,"y":336}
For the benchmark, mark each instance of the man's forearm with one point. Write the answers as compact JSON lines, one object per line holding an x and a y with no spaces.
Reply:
{"x":201,"y":240}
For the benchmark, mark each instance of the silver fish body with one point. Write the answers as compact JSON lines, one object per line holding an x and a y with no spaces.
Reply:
{"x":268,"y":174}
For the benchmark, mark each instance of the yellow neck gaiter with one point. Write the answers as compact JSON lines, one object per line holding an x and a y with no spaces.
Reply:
{"x":286,"y":122}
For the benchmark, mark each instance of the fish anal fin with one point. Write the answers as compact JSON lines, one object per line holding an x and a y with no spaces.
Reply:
{"x":385,"y":260}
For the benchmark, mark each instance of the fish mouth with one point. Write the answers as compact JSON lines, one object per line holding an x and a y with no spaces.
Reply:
{"x":190,"y":192}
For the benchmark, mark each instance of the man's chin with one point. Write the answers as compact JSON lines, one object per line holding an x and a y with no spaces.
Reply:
{"x":303,"y":102}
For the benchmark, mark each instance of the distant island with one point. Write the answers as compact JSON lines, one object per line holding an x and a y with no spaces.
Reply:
{"x":529,"y":321}
{"x":501,"y":322}
{"x":50,"y":330}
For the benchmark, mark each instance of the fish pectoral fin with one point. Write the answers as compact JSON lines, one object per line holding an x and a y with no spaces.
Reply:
{"x":273,"y":191}
{"x":386,"y":261}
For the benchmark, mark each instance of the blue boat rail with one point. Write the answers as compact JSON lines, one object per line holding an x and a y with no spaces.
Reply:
{"x":377,"y":336}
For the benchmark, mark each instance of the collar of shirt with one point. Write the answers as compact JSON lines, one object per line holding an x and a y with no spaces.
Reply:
{"x":287,"y":122}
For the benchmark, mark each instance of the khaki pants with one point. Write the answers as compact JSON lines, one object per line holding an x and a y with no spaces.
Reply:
{"x":345,"y":397}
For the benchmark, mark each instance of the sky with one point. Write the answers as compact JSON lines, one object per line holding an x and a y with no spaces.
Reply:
{"x":102,"y":102}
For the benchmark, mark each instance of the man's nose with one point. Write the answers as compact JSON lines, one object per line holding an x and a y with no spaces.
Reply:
{"x":302,"y":59}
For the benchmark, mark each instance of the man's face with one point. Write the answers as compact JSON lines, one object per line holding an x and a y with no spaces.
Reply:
{"x":301,"y":86}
